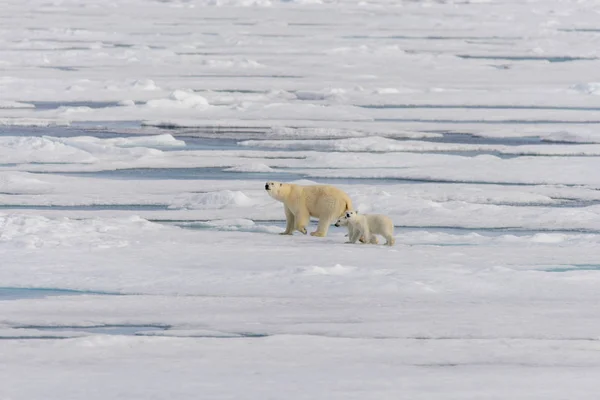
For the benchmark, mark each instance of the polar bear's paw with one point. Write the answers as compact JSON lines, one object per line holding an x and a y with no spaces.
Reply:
{"x":317,"y":233}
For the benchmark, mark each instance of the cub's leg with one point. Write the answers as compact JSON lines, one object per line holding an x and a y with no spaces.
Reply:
{"x":349,"y":234}
{"x":289,"y":221}
{"x":355,"y":235}
{"x":367,"y":235}
{"x":350,"y":231}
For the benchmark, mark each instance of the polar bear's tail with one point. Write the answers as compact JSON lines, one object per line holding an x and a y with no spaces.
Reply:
{"x":348,"y":204}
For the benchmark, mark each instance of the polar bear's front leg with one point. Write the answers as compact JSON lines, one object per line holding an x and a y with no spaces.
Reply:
{"x":351,"y":229}
{"x":350,"y":232}
{"x":355,"y":235}
{"x":302,"y":218}
{"x":289,"y":221}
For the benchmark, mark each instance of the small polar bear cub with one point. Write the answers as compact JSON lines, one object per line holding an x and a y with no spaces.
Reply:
{"x":367,"y":226}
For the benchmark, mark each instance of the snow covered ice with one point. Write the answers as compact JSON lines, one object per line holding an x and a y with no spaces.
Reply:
{"x":140,"y":256}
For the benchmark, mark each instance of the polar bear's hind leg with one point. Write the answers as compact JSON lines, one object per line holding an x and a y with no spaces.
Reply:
{"x":322,"y":227}
{"x":330,"y":209}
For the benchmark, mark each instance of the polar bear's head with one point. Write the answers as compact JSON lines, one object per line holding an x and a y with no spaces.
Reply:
{"x":344,"y":219}
{"x":277,"y":190}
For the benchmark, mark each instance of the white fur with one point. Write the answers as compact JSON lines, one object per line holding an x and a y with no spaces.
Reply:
{"x":302,"y":202}
{"x":344,"y":222}
{"x":367,"y":226}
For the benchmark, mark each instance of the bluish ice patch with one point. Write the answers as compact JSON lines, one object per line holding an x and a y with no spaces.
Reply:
{"x":474,"y":107}
{"x":495,"y":231}
{"x":469,"y":138}
{"x":192,"y":143}
{"x":309,"y":23}
{"x":19,"y":293}
{"x":574,"y":203}
{"x":501,"y":66}
{"x":491,"y":122}
{"x":243,"y":91}
{"x":406,"y":180}
{"x":201,"y":53}
{"x":87,"y":207}
{"x":557,"y":203}
{"x":209,"y":173}
{"x":276,"y":76}
{"x":207,"y":225}
{"x":399,"y":229}
{"x":66,"y":68}
{"x":62,"y":131}
{"x":70,"y":48}
{"x":551,"y":59}
{"x":446,"y":137}
{"x":211,"y":131}
{"x":108,"y":125}
{"x":195,"y":143}
{"x":468,"y":153}
{"x":35,"y":337}
{"x":573,"y":268}
{"x":591,"y":30}
{"x":274,"y":35}
{"x":504,"y":156}
{"x":52,"y":105}
{"x":432,"y":37}
{"x":218,"y":173}
{"x":240,"y":335}
{"x":127,"y":330}
{"x":101,"y":131}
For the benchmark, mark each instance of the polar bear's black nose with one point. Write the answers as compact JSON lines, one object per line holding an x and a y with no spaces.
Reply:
{"x":266,"y":186}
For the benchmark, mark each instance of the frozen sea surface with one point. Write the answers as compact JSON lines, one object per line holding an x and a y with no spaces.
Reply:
{"x":140,"y":256}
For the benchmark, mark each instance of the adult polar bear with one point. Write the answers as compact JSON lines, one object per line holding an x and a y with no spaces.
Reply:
{"x":301,"y":202}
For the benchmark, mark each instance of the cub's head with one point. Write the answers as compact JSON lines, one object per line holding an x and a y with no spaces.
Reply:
{"x":277,"y":190}
{"x":344,"y":219}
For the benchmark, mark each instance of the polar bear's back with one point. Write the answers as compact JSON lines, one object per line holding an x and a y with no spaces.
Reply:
{"x":379,"y":223}
{"x":326,"y":200}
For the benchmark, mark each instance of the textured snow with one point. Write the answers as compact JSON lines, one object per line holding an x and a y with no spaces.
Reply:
{"x":140,"y":256}
{"x":380,"y":144}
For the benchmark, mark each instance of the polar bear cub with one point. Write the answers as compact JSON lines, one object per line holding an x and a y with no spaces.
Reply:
{"x":367,"y":226}
{"x":300,"y":202}
{"x":343,"y":221}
